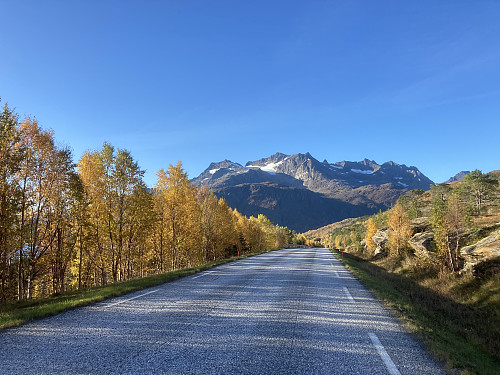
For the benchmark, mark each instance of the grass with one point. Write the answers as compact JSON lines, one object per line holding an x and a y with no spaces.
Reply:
{"x":20,"y":312}
{"x":458,"y":320}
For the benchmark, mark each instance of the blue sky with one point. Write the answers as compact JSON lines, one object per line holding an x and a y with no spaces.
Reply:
{"x":200,"y":81}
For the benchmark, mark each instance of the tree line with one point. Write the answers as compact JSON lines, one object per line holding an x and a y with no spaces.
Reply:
{"x":70,"y":226}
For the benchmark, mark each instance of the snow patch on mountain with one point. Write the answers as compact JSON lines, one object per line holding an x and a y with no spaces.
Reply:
{"x":362,"y":171}
{"x":335,"y":166}
{"x":269,"y":168}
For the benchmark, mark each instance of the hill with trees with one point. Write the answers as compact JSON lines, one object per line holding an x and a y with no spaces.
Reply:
{"x":446,"y":225}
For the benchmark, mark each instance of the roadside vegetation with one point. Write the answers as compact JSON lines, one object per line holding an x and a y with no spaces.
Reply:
{"x":434,"y":258}
{"x":18,"y":312}
{"x":67,"y":227}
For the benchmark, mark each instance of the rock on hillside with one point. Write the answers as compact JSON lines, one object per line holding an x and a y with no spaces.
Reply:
{"x":485,"y":250}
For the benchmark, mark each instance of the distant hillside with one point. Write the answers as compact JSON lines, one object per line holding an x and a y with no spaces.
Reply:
{"x":458,"y":177}
{"x":302,"y":193}
{"x":324,"y":232}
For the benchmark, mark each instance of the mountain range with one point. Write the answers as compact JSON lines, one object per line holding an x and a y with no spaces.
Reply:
{"x":302,"y":193}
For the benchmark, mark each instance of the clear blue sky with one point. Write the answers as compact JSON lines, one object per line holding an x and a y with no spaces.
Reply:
{"x":416,"y":82}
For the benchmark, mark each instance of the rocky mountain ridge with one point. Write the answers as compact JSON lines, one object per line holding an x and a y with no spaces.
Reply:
{"x":458,"y":177}
{"x":320,"y":191}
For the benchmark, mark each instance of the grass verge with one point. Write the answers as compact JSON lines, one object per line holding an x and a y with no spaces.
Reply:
{"x":17,"y":313}
{"x":465,"y":338}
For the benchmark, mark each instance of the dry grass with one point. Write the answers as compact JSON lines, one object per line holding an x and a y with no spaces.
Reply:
{"x":457,"y":317}
{"x":487,"y":219}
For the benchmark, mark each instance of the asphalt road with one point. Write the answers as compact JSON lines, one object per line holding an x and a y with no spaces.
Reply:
{"x":295,"y":311}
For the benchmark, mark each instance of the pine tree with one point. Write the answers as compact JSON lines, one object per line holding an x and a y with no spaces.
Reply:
{"x":477,"y":187}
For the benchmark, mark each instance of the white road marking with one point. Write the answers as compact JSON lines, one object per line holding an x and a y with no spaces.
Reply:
{"x":203,"y":274}
{"x":348,"y":294}
{"x":336,"y":273}
{"x":391,"y":367}
{"x":130,"y":299}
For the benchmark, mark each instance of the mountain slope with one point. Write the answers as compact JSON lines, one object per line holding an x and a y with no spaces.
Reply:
{"x":458,"y":177}
{"x":303,"y":193}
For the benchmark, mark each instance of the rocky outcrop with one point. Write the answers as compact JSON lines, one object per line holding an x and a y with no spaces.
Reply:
{"x":485,"y":250}
{"x":420,"y":224}
{"x":380,"y":239}
{"x":422,"y":244}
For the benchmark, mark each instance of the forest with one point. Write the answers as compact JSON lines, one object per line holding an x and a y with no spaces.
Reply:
{"x":67,"y":225}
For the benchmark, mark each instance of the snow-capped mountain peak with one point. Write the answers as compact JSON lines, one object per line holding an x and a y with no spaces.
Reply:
{"x":342,"y":189}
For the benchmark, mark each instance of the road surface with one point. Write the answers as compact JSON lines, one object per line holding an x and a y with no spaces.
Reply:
{"x":294,"y":311}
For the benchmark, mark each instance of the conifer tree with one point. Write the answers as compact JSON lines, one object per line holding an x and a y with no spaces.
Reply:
{"x":477,"y":187}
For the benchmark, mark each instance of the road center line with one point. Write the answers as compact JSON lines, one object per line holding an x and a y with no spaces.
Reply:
{"x":391,"y":367}
{"x":130,"y":299}
{"x":348,"y":294}
{"x":203,"y":274}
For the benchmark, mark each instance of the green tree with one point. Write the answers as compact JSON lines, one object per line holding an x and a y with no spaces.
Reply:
{"x":477,"y":188}
{"x":414,"y":203}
